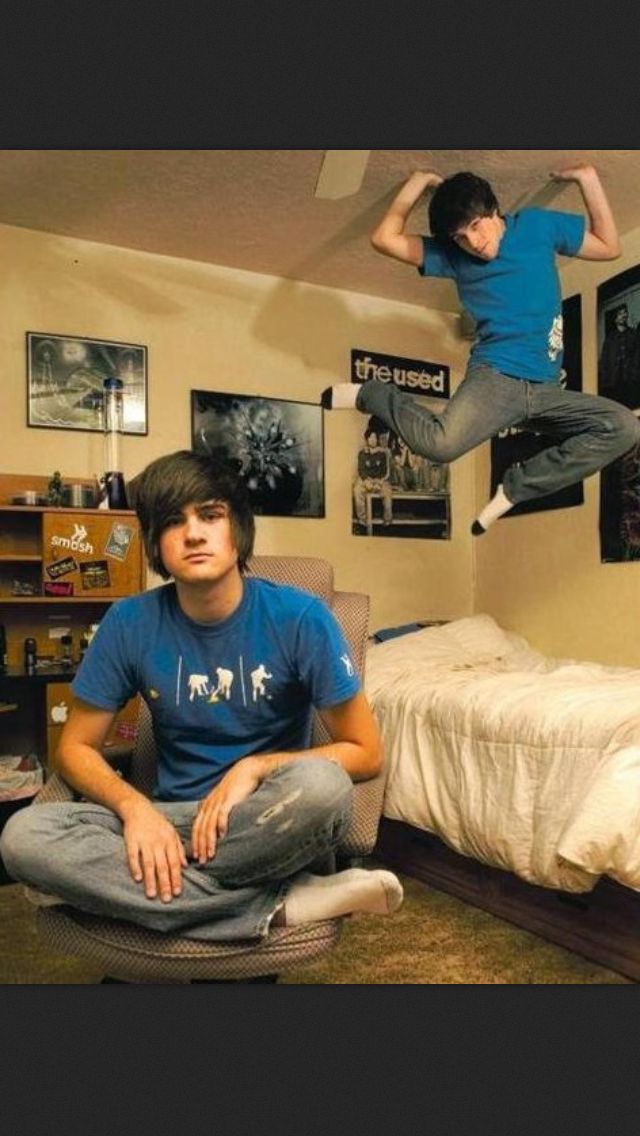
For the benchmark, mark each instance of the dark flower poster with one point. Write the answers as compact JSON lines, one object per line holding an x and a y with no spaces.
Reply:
{"x":276,"y":444}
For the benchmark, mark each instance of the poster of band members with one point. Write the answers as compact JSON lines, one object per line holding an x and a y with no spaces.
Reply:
{"x":395,"y":492}
{"x":516,"y":445}
{"x":618,"y":313}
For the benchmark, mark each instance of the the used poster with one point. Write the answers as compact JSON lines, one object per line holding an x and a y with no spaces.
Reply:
{"x":394,"y":491}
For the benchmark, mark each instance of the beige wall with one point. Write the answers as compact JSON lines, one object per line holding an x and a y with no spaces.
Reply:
{"x":540,"y":574}
{"x":208,"y":327}
{"x":212,"y":328}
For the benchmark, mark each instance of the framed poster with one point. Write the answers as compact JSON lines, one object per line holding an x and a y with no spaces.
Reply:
{"x":395,"y":492}
{"x":65,"y":376}
{"x":277,"y":445}
{"x":516,"y":445}
{"x":618,"y":331}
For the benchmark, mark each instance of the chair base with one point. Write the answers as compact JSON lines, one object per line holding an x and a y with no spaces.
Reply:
{"x":108,"y":980}
{"x":128,"y":953}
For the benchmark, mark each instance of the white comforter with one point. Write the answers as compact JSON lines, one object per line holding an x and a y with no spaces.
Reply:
{"x":525,"y":762}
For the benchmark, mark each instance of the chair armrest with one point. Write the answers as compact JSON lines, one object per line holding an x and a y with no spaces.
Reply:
{"x":56,"y":788}
{"x":119,"y":755}
{"x":367,"y":810}
{"x":351,"y":609}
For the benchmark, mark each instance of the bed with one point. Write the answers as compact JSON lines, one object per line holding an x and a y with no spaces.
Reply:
{"x":514,"y":781}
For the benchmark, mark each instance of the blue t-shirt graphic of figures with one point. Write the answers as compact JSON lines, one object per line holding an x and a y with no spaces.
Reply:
{"x":219,"y":692}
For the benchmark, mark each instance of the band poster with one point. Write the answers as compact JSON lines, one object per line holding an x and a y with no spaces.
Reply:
{"x":618,"y":330}
{"x":396,"y":492}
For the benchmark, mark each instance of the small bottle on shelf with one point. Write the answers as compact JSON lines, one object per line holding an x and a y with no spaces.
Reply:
{"x":3,"y":649}
{"x":30,"y":656}
{"x":66,"y":652}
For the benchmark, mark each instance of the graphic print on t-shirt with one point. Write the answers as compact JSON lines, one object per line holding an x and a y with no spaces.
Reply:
{"x":556,"y":338}
{"x":217,"y":687}
{"x":258,"y":687}
{"x":225,"y":682}
{"x":198,"y":685}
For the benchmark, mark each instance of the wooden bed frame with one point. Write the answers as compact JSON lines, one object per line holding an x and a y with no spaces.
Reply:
{"x":602,"y":925}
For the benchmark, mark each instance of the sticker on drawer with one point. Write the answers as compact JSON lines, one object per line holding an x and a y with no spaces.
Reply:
{"x":59,"y":713}
{"x":62,"y":567}
{"x":58,"y":588}
{"x":119,"y":541}
{"x":95,"y":574}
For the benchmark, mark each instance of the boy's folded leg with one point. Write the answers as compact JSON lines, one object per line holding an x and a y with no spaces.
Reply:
{"x":355,"y":890}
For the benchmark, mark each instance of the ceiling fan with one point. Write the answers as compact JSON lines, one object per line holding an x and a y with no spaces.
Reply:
{"x":341,"y":173}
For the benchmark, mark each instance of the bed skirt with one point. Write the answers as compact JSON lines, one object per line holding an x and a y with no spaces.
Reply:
{"x":602,"y":925}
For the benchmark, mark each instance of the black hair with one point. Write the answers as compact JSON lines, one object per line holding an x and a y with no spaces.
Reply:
{"x":457,"y":201}
{"x":169,"y":483}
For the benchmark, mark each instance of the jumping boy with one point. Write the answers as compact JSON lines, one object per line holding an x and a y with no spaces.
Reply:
{"x":504,"y":267}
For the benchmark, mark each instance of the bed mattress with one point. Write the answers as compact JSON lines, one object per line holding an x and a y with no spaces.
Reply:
{"x":523,"y":761}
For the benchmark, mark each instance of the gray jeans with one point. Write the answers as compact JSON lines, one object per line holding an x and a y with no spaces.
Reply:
{"x":298,"y":814}
{"x":594,"y":430}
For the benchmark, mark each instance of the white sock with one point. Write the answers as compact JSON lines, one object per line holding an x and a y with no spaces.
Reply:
{"x":311,"y":898}
{"x":497,"y":507}
{"x":342,"y":396}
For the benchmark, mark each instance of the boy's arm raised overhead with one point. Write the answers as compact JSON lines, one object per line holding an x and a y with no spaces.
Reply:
{"x":601,"y":240}
{"x":389,"y":237}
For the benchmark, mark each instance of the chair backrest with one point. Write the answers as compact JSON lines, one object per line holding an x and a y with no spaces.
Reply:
{"x":351,"y":609}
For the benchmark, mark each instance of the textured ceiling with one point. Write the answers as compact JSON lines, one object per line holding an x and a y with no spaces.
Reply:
{"x":256,"y":209}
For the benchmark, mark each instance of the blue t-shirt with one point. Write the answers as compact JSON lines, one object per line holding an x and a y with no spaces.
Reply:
{"x":218,"y":692}
{"x":515,"y":298}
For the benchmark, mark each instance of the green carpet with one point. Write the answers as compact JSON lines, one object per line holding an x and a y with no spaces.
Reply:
{"x":433,"y":939}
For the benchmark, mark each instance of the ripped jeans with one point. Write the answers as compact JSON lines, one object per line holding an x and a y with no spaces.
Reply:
{"x":299,"y":813}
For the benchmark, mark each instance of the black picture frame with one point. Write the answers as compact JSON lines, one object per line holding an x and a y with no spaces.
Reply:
{"x":65,"y":376}
{"x":619,"y":379}
{"x":276,"y":444}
